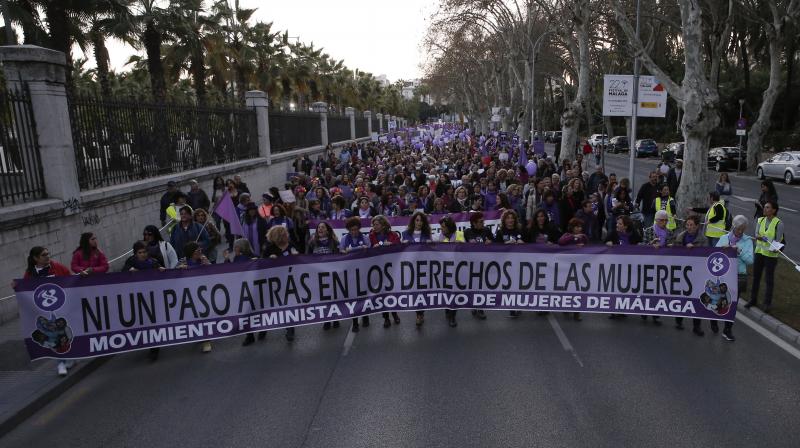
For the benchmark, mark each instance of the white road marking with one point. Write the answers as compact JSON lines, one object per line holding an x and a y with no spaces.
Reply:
{"x":348,"y":341}
{"x":767,"y":334}
{"x":746,"y":199}
{"x":563,"y":338}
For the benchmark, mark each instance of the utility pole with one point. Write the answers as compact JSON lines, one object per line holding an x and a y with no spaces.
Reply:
{"x":635,"y":110}
{"x":741,"y":136}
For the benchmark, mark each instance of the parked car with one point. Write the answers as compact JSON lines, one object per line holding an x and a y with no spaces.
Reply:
{"x":784,"y":165}
{"x":596,"y":140}
{"x":646,"y":147}
{"x":726,"y":158}
{"x":618,"y":144}
{"x":673,"y":151}
{"x":552,"y":136}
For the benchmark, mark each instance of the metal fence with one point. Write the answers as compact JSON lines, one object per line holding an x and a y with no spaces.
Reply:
{"x":21,"y":177}
{"x":292,"y":130}
{"x":118,"y":141}
{"x":376,"y":127}
{"x":362,"y":127}
{"x":338,"y":128}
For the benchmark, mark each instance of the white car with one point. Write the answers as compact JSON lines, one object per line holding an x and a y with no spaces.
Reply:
{"x":598,"y":139}
{"x":785,"y":165}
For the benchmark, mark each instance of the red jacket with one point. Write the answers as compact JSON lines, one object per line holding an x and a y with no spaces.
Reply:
{"x":392,"y":238}
{"x":56,"y":270}
{"x":97,"y":261}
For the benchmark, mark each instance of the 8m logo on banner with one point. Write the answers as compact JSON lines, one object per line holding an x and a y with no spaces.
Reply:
{"x":49,"y":297}
{"x":718,"y":264}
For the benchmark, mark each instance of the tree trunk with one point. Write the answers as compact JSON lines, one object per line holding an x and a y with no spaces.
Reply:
{"x":152,"y":44}
{"x":745,"y":63}
{"x":762,"y":125}
{"x":60,"y":39}
{"x":700,"y":102}
{"x":570,"y":118}
{"x":789,"y":109}
{"x":609,"y":127}
{"x":101,"y":59}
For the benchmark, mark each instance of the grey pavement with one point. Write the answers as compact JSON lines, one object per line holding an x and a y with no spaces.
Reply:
{"x":499,"y":382}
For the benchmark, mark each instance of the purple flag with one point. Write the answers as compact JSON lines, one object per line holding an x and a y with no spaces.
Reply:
{"x":226,"y":210}
{"x":523,"y":155}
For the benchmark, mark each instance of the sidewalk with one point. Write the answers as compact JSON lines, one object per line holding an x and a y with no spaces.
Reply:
{"x":25,"y":386}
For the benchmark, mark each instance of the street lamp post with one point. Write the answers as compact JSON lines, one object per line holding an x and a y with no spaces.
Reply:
{"x":739,"y":168}
{"x":635,"y":109}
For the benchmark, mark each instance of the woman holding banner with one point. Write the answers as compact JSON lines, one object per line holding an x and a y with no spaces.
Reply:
{"x":355,"y":240}
{"x":658,"y":235}
{"x":509,"y":232}
{"x":87,"y":258}
{"x":542,"y":231}
{"x":744,"y":250}
{"x":691,"y":237}
{"x":450,"y":234}
{"x":418,"y":231}
{"x":278,"y":245}
{"x":40,"y":265}
{"x":324,"y":242}
{"x":159,"y":249}
{"x":382,"y":235}
{"x":142,"y":260}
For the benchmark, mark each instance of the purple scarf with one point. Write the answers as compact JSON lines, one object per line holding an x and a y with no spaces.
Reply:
{"x":661,"y":233}
{"x":624,"y":238}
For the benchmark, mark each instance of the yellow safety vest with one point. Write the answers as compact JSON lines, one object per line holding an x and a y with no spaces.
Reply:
{"x":459,"y":238}
{"x":716,"y":229}
{"x":762,"y":247}
{"x":671,"y":225}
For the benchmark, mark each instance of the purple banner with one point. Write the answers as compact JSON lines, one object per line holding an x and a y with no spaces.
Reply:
{"x":79,"y":317}
{"x":400,"y":223}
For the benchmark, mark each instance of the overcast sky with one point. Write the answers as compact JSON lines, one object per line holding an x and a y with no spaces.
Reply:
{"x":377,"y":36}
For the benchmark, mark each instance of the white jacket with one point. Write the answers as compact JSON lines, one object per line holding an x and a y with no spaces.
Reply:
{"x":168,"y":254}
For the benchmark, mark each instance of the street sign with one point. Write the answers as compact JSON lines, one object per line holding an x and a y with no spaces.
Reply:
{"x":618,"y":96}
{"x":741,"y":132}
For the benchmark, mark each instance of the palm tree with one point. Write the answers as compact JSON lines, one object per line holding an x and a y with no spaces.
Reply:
{"x":149,"y":20}
{"x":192,"y":34}
{"x":108,"y":18}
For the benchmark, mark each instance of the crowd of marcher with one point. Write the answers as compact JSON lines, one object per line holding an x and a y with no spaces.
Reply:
{"x":436,"y":172}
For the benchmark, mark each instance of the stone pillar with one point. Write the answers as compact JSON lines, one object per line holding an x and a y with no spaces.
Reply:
{"x":380,"y":123}
{"x":351,"y":112}
{"x":257,"y":100}
{"x":44,"y":71}
{"x":368,"y":116}
{"x":322,"y":109}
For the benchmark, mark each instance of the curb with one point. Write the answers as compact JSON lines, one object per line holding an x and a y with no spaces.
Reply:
{"x":78,"y":373}
{"x":774,"y":326}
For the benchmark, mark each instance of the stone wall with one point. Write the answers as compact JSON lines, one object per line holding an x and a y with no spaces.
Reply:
{"x":115,"y":214}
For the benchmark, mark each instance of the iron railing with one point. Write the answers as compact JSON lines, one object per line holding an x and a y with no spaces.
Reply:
{"x":292,"y":130}
{"x":21,"y":177}
{"x":375,"y":125}
{"x":362,"y":127}
{"x":118,"y":141}
{"x":338,"y":128}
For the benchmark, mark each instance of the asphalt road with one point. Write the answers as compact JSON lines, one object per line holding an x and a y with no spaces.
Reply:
{"x":746,"y":190}
{"x":532,"y":381}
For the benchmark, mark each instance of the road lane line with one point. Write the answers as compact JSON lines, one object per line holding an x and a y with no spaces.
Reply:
{"x":563,"y":338}
{"x":61,"y":405}
{"x":767,"y":334}
{"x":348,"y":341}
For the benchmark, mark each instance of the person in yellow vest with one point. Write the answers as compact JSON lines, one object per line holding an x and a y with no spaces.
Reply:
{"x":769,"y":229}
{"x":450,"y":234}
{"x":665,"y":202}
{"x":716,"y":218}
